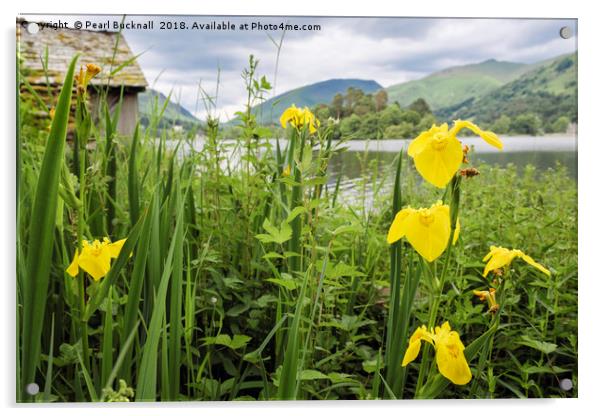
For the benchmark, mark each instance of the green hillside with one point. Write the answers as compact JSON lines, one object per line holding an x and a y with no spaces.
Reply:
{"x":548,"y":91}
{"x":454,"y":85}
{"x":152,"y":101}
{"x":310,"y":95}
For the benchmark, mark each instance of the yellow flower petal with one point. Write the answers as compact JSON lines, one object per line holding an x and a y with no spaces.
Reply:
{"x":428,"y":230}
{"x":115,"y":248}
{"x":450,"y":358}
{"x":396,"y":229}
{"x":499,"y":258}
{"x":288,"y":115}
{"x":488,"y":255}
{"x":419,"y":143}
{"x":489,"y":136}
{"x":449,"y":352}
{"x":95,"y":260}
{"x":73,"y":268}
{"x":298,"y":118}
{"x":411,"y":352}
{"x":439,"y":160}
{"x":533,"y":263}
{"x":419,"y":335}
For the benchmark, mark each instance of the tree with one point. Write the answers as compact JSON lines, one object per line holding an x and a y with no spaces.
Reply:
{"x":400,"y":131}
{"x":322,"y":112}
{"x":527,"y":124}
{"x":420,"y":106}
{"x":426,"y":123}
{"x":363,"y":105}
{"x":560,"y":125}
{"x":502,"y":124}
{"x":410,"y":116}
{"x":390,"y":116}
{"x":337,"y":105}
{"x":352,"y":98}
{"x":369,"y":127}
{"x":380,"y":100}
{"x":351,"y":125}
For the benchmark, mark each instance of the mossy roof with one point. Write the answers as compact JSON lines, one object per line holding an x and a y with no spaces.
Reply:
{"x":94,"y":46}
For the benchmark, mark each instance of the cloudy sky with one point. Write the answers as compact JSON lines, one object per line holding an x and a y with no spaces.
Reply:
{"x":387,"y":50}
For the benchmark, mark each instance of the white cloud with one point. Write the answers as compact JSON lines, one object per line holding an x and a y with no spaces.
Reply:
{"x":389,"y":53}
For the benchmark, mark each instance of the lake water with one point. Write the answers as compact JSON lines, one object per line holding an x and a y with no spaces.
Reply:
{"x":544,"y":152}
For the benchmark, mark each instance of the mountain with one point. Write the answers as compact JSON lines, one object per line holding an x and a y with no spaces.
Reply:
{"x":310,"y":95}
{"x":456,"y":84}
{"x":548,"y":90}
{"x":152,"y":101}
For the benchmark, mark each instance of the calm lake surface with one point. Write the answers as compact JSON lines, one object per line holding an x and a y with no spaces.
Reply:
{"x":544,"y":152}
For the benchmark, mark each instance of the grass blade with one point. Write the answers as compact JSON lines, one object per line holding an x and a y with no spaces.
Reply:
{"x":175,"y":312}
{"x":130,"y":316}
{"x":394,"y":334}
{"x":107,"y":341}
{"x":120,"y":359}
{"x":133,"y":179}
{"x":48,"y":382}
{"x":147,"y":375}
{"x":87,"y":379}
{"x":288,"y":376}
{"x":41,"y":238}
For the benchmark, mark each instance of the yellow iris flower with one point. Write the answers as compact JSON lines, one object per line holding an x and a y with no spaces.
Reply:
{"x":449,"y":352}
{"x":299,"y":117}
{"x":83,"y":78}
{"x":499,"y":257}
{"x":489,"y":297}
{"x":95,"y":258}
{"x":427,"y":229}
{"x":438,"y":154}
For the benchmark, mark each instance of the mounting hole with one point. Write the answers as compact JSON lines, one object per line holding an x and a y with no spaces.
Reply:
{"x":33,"y":28}
{"x":566,"y":32}
{"x":32,"y":389}
{"x":566,"y":384}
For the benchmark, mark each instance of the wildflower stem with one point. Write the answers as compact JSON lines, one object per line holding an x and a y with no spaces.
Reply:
{"x":495,"y":321}
{"x":81,"y":221}
{"x":438,"y":284}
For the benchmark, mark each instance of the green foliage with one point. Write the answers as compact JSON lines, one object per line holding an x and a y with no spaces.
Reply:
{"x":390,"y":116}
{"x":560,"y":125}
{"x":528,"y":123}
{"x":251,"y":284}
{"x":502,"y":125}
{"x":420,"y":106}
{"x":351,"y":125}
{"x":403,"y":130}
{"x":368,"y":116}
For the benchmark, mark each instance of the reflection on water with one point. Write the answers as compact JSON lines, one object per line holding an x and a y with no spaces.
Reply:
{"x":350,"y":163}
{"x":542,"y":152}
